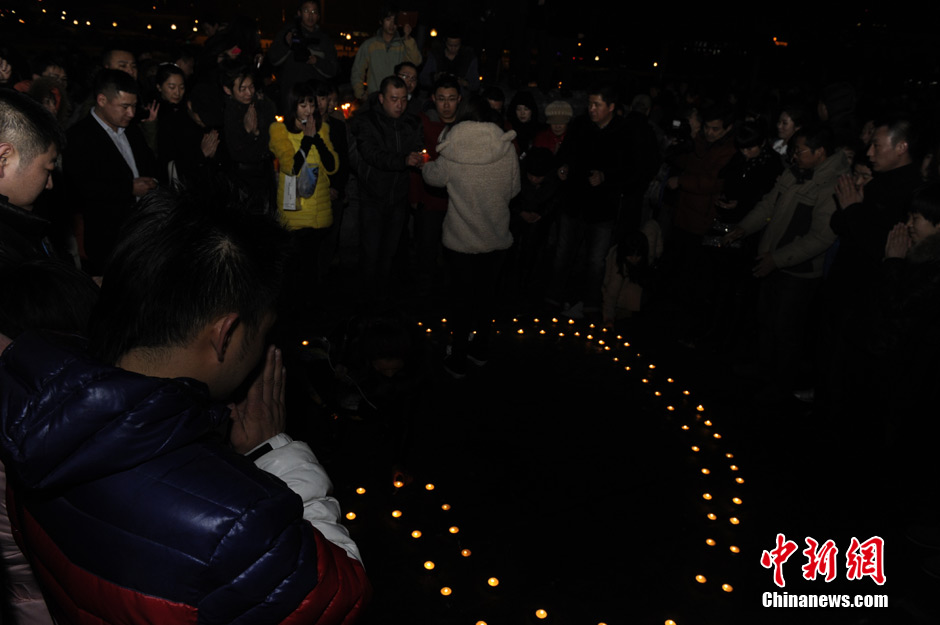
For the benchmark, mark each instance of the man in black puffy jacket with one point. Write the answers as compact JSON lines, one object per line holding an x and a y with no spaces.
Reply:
{"x":129,"y":504}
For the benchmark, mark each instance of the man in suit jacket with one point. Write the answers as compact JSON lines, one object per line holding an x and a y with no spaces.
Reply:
{"x":107,"y":165}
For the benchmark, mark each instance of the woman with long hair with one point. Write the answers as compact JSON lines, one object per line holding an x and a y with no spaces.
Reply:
{"x":183,"y":148}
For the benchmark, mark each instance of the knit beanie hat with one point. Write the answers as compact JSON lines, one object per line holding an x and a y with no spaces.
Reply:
{"x":558,"y":112}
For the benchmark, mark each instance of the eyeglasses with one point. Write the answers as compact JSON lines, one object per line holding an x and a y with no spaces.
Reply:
{"x":408,"y":77}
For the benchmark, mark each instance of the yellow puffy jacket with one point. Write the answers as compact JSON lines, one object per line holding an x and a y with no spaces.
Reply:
{"x":314,"y":211}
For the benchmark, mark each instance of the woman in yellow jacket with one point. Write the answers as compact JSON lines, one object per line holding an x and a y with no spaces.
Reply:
{"x":304,"y":137}
{"x":302,"y":131}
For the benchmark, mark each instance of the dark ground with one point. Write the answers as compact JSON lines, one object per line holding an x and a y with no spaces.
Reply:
{"x":573,"y":484}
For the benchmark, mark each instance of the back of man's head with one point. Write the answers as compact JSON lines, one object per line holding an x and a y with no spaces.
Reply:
{"x":27,"y":126}
{"x":110,"y":81}
{"x":179,"y":266}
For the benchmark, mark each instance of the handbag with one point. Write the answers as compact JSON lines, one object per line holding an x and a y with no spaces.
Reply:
{"x":302,"y":185}
{"x":307,"y":179}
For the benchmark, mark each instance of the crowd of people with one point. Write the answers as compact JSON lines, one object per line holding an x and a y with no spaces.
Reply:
{"x":805,"y":224}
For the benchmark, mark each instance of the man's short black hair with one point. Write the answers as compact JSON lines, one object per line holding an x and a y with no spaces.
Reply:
{"x":232,"y":70}
{"x":111,"y":81}
{"x":180,"y":265}
{"x":607,"y":92}
{"x":749,"y":135}
{"x":107,"y":54}
{"x":796,"y":112}
{"x":494,"y":93}
{"x":391,"y":81}
{"x":326,"y":89}
{"x":445,"y":81}
{"x":721,"y":112}
{"x":899,"y":127}
{"x":28,"y":126}
{"x":404,"y":64}
{"x":47,"y":60}
{"x":902,"y":128}
{"x":817,"y":136}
